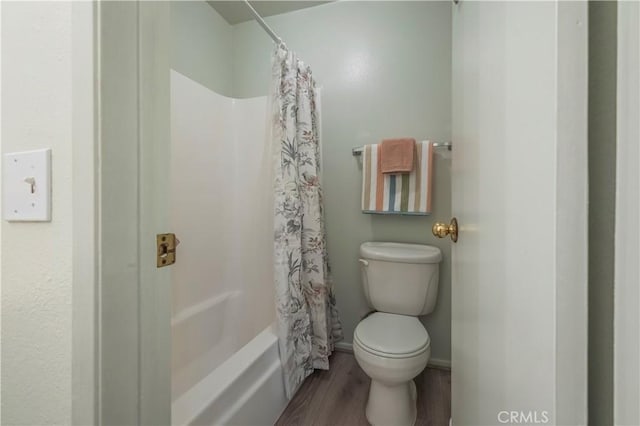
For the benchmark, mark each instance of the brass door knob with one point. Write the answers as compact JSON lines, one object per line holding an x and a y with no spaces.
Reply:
{"x":441,"y":230}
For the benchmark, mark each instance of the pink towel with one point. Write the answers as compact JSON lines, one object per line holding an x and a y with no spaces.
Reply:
{"x":396,"y":155}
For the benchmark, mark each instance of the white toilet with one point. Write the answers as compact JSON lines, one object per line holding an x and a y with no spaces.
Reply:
{"x":391,"y":345}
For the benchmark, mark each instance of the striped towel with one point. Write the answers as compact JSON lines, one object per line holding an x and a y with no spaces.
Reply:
{"x":408,"y":193}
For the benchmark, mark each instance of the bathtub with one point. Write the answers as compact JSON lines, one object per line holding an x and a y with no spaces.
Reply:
{"x":247,"y":389}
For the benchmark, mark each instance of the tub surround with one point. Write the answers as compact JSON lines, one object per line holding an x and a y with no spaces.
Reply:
{"x":221,"y":212}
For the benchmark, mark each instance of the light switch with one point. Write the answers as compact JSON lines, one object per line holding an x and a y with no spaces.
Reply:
{"x":26,"y":186}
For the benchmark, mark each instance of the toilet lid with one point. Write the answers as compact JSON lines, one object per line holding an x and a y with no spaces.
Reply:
{"x":392,"y":334}
{"x":400,"y":252}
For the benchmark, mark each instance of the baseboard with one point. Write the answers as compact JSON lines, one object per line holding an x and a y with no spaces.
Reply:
{"x":442,"y":364}
{"x":344,"y":347}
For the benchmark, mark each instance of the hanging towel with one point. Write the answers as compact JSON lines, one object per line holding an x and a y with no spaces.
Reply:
{"x":408,"y":193}
{"x":397,"y":155}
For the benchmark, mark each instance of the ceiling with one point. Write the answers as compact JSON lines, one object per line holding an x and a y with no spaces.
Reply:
{"x":236,"y":11}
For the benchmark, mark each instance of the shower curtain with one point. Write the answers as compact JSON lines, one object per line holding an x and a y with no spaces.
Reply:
{"x":307,"y":319}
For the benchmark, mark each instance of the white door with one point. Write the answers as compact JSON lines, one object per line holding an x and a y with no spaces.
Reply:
{"x":519,"y":182}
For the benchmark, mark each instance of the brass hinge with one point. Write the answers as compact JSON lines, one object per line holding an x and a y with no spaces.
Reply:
{"x":166,"y":253}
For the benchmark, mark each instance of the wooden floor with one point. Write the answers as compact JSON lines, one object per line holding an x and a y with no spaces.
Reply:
{"x":338,"y":397}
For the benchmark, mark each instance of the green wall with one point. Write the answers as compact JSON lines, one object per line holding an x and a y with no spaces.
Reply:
{"x":201,"y":45}
{"x":385,"y":70}
{"x":602,"y":173}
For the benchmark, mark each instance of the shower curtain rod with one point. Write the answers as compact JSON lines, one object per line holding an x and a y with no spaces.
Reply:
{"x":264,"y":25}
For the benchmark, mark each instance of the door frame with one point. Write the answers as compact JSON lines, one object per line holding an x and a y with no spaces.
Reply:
{"x":85,"y":259}
{"x":128,"y":117}
{"x":133,"y":297}
{"x":572,"y":209}
{"x":627,"y":228}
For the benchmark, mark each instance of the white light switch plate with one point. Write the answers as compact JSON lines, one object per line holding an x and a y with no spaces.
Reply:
{"x":26,"y":186}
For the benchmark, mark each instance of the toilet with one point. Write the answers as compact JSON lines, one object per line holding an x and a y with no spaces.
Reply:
{"x":391,"y":345}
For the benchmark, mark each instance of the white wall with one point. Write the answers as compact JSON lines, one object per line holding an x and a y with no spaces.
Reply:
{"x":37,"y":257}
{"x":385,"y":70}
{"x":627,"y":269}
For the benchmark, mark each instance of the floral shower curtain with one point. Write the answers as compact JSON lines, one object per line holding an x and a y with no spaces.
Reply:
{"x":308,"y":322}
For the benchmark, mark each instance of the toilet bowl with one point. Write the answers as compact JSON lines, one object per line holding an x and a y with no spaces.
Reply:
{"x":391,"y":349}
{"x":391,"y":345}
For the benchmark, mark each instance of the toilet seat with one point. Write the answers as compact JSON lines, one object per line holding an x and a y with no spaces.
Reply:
{"x":392,"y":336}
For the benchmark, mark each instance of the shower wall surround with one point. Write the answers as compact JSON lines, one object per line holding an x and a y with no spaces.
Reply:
{"x":378,"y":80}
{"x":220,"y":197}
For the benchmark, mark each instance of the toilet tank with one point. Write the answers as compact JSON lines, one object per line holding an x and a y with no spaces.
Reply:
{"x":400,"y":278}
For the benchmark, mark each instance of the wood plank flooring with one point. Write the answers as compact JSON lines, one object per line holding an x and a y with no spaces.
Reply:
{"x":338,"y":397}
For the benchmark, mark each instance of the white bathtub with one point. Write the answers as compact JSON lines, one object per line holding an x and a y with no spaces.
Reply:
{"x":247,"y":389}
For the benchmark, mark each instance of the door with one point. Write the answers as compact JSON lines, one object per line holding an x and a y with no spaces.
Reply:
{"x":519,"y":182}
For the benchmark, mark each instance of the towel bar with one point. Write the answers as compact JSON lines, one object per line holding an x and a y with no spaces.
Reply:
{"x":358,"y":151}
